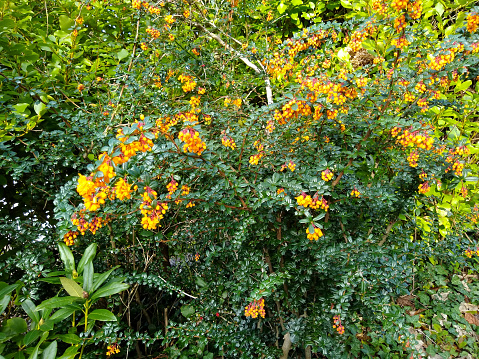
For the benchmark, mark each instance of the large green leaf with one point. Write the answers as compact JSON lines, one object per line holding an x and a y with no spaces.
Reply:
{"x":4,"y":303}
{"x":7,"y":290}
{"x":102,"y":315}
{"x":72,"y":287}
{"x":56,"y":302}
{"x":31,"y":336}
{"x":109,"y":289}
{"x":67,"y":257}
{"x":102,"y":278}
{"x":69,"y":338}
{"x":29,"y":308}
{"x":87,"y":257}
{"x":64,"y":313}
{"x":14,"y":326}
{"x":88,"y":276}
{"x":50,"y":351}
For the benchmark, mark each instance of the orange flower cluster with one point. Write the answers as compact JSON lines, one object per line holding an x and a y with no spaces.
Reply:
{"x":291,"y":165}
{"x":423,"y":175}
{"x":278,"y":66}
{"x":292,"y":109}
{"x":413,"y":158}
{"x":254,"y":308}
{"x":154,"y":33}
{"x":78,"y":219}
{"x":399,"y":5}
{"x":69,"y":238}
{"x":228,"y":142}
{"x":129,"y":150}
{"x":457,"y":167}
{"x":122,"y":189}
{"x":424,"y":187}
{"x":327,"y":175}
{"x":400,"y":23}
{"x":438,"y":62}
{"x":306,"y":201}
{"x":400,"y":42}
{"x":317,"y":233}
{"x":190,"y":204}
{"x":193,"y":142}
{"x":195,"y":101}
{"x":337,"y":324}
{"x":469,"y":252}
{"x":355,"y":193}
{"x":254,"y":159}
{"x":136,"y":4}
{"x":412,"y":139}
{"x":151,"y":210}
{"x":188,"y":82}
{"x":112,"y":349}
{"x":172,"y":186}
{"x":165,"y":123}
{"x":472,"y":22}
{"x":415,"y":9}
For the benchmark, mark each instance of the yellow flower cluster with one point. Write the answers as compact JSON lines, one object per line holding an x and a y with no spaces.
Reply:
{"x":254,"y":159}
{"x":151,"y":215}
{"x":399,"y":5}
{"x":413,"y":158}
{"x":188,"y":82}
{"x":165,"y":123}
{"x":412,"y":139}
{"x":123,"y":190}
{"x":254,"y":308}
{"x":400,"y":42}
{"x":438,"y":62}
{"x":112,"y":349}
{"x":172,"y":187}
{"x":195,"y":101}
{"x":327,"y":175}
{"x":315,"y":235}
{"x":228,"y":142}
{"x":355,"y":193}
{"x":154,"y":33}
{"x":193,"y":142}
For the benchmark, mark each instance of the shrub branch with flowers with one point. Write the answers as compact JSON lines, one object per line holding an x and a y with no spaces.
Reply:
{"x":272,"y":196}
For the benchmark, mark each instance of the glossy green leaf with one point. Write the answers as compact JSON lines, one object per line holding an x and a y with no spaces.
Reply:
{"x":103,"y":315}
{"x":72,"y":287}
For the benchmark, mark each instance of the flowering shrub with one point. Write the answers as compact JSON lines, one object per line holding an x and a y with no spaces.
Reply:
{"x":271,"y":196}
{"x":371,"y":88}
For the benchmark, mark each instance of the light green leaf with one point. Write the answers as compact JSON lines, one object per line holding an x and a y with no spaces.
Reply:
{"x":102,"y":315}
{"x":122,"y":54}
{"x":40,"y":108}
{"x":63,"y":313}
{"x":72,"y":287}
{"x":439,"y":8}
{"x":50,"y":351}
{"x":282,"y":8}
{"x":187,"y":310}
{"x":65,"y":22}
{"x":296,"y":2}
